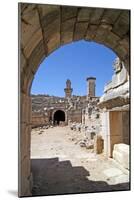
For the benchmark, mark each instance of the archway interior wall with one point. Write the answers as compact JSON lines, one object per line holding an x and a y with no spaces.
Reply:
{"x":44,"y":28}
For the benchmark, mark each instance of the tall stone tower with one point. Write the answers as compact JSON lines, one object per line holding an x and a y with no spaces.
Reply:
{"x":68,"y":90}
{"x":91,"y":86}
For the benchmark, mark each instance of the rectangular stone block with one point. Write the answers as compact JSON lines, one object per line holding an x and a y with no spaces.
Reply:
{"x":33,"y":42}
{"x":122,"y":158}
{"x":97,"y":13}
{"x":68,"y":12}
{"x":91,"y":32}
{"x":80,"y":30}
{"x":123,"y":22}
{"x":24,"y":140}
{"x":25,"y":109}
{"x":67,"y":29}
{"x":84,"y":14}
{"x":110,"y":15}
{"x":29,"y":24}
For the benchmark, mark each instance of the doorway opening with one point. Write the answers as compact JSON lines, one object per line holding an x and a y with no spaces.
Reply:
{"x":59,"y":116}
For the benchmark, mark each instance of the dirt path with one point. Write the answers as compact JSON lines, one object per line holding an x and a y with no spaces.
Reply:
{"x":60,"y":166}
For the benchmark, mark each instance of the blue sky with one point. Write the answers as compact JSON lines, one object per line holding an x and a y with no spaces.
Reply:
{"x":75,"y":61}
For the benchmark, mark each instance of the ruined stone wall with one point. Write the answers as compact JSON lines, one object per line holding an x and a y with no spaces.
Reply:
{"x":43,"y":107}
{"x":39,"y":119}
{"x":75,"y":116}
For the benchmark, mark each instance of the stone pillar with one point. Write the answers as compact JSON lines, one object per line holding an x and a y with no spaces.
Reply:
{"x":91,"y":86}
{"x":68,"y":90}
{"x":24,"y":146}
{"x":98,"y":144}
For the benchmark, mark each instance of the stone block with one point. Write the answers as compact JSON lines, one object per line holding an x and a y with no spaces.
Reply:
{"x":33,"y":42}
{"x":121,"y":154}
{"x":121,"y":26}
{"x":101,"y":34}
{"x":97,"y":13}
{"x":29,"y":25}
{"x":53,"y":43}
{"x":68,"y":12}
{"x":80,"y":30}
{"x":24,"y":139}
{"x":84,"y":14}
{"x":25,"y":109}
{"x":121,"y":179}
{"x":110,"y":15}
{"x":22,"y":62}
{"x":111,"y":40}
{"x":36,"y":57}
{"x":98,"y":144}
{"x":52,"y":29}
{"x":48,"y":14}
{"x":24,"y":178}
{"x":91,"y":32}
{"x":120,"y":50}
{"x":122,"y":148}
{"x":67,"y":29}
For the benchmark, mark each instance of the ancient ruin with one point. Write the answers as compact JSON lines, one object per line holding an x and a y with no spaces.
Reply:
{"x":71,"y":108}
{"x":104,"y":122}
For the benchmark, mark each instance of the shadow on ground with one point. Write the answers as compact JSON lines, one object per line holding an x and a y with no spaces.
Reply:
{"x":51,"y":177}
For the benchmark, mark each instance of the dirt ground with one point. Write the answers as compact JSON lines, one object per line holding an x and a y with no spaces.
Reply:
{"x":61,"y":166}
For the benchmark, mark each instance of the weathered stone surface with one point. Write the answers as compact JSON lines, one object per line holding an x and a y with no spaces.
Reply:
{"x":53,"y":43}
{"x":117,"y":96}
{"x":121,"y":51}
{"x":80,"y":30}
{"x":68,"y":12}
{"x":98,"y":144}
{"x":84,"y":14}
{"x":30,"y":26}
{"x":97,"y":13}
{"x":25,"y":109}
{"x":36,"y":57}
{"x":108,"y":16}
{"x":91,"y":32}
{"x":48,"y":14}
{"x":118,"y":79}
{"x":67,"y":29}
{"x":121,"y":154}
{"x":22,"y":62}
{"x":34,"y":40}
{"x":121,"y":26}
{"x":101,"y":34}
{"x":112,"y":40}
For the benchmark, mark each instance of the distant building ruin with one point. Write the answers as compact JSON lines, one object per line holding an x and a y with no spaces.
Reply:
{"x":62,"y":110}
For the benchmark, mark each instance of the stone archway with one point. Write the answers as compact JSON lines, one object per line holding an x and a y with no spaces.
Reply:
{"x":59,"y":116}
{"x":43,"y":29}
